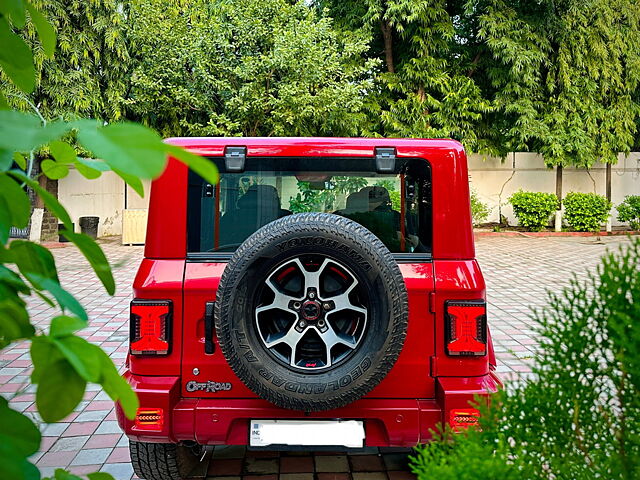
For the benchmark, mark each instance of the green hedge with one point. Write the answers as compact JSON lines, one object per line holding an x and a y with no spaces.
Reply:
{"x":533,"y":209}
{"x":586,"y":212}
{"x":629,"y":211}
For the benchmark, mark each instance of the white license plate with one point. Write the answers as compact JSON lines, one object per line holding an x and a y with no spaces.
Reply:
{"x":312,"y":433}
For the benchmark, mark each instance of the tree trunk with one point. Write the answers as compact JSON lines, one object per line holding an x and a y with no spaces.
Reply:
{"x":558,"y":223}
{"x":388,"y":45}
{"x":608,"y":190}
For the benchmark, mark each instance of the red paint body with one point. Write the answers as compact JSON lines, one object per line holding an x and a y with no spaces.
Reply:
{"x":419,"y":392}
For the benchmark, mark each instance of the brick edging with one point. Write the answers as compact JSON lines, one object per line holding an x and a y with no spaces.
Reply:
{"x":553,"y":234}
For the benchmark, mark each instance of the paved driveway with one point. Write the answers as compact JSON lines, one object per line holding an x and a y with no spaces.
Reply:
{"x":518,"y":272}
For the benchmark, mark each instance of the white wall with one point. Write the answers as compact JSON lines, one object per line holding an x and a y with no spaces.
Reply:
{"x":102,"y":197}
{"x":490,"y":176}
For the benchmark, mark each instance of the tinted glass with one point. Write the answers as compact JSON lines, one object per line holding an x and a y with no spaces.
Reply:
{"x":395,"y":207}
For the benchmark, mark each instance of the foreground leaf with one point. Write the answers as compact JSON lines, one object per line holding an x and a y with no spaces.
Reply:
{"x":131,"y":148}
{"x":60,"y":390}
{"x":16,"y":202}
{"x":96,"y":258}
{"x":54,"y":170}
{"x":16,"y":58}
{"x":19,"y":438}
{"x":64,"y":298}
{"x":51,"y":202}
{"x":83,"y":356}
{"x":63,"y":325}
{"x":46,"y":33}
{"x":31,"y":258}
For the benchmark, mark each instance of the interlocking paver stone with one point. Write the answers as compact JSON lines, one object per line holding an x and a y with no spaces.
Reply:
{"x":518,"y":272}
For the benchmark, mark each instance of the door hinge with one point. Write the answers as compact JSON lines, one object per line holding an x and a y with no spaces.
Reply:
{"x":209,"y":345}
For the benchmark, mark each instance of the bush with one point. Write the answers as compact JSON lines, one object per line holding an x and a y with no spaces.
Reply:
{"x":479,"y":210}
{"x":533,"y":209}
{"x":578,"y":416}
{"x":586,"y":212}
{"x":629,"y":211}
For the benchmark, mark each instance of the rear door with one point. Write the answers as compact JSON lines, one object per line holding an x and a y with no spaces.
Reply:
{"x":220,"y":217}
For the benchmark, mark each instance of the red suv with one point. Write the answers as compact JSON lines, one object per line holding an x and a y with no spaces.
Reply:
{"x":324,"y":293}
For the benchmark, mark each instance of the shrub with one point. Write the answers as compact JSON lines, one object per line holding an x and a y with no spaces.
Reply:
{"x":479,"y":210}
{"x":578,"y":416}
{"x":586,"y":212}
{"x":533,"y":209}
{"x":629,"y":211}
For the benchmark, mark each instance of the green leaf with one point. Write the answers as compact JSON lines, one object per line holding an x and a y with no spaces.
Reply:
{"x":202,"y":166}
{"x":84,"y":357}
{"x":6,"y":160}
{"x":5,"y":221}
{"x":95,"y":164}
{"x":17,"y":201}
{"x":62,"y":152}
{"x":61,"y":474}
{"x":64,"y":298}
{"x":43,"y":352}
{"x":3,"y":102}
{"x":60,"y":389}
{"x":131,"y":180}
{"x":129,"y":147}
{"x":16,"y":58}
{"x":18,"y":430}
{"x":20,"y":160}
{"x":49,"y":200}
{"x":19,"y":438}
{"x":13,"y":9}
{"x":99,"y":476}
{"x":13,"y":280}
{"x":14,"y":321}
{"x":63,"y":325}
{"x":23,"y":132}
{"x":54,"y":170}
{"x":96,"y":258}
{"x":87,"y":172}
{"x":117,"y":387}
{"x":33,"y":258}
{"x":45,"y":31}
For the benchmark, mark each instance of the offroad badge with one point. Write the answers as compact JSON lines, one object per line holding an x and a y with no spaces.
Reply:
{"x":208,"y":386}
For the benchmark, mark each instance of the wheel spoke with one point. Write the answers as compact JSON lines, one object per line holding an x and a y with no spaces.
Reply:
{"x":342,"y":302}
{"x":291,"y":338}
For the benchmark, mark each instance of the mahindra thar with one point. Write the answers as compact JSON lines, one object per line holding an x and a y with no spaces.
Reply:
{"x":324,"y":293}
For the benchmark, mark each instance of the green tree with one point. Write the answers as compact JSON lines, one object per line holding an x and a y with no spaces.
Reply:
{"x":565,"y":76}
{"x":253,"y":67}
{"x":63,"y":362}
{"x":431,"y":84}
{"x":88,"y":76}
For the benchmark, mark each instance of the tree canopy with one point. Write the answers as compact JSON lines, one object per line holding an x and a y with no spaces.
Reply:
{"x":559,"y":77}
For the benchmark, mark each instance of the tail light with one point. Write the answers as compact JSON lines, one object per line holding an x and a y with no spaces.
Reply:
{"x":461,"y":418}
{"x":150,"y":327}
{"x":466,"y":328}
{"x":149,"y":419}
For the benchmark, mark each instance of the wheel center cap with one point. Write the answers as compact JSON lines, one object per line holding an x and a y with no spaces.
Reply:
{"x":310,"y":310}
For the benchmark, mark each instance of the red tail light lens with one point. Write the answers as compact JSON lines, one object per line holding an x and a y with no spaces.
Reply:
{"x":149,"y":419}
{"x":150,"y":327}
{"x":461,"y":418}
{"x":466,"y":328}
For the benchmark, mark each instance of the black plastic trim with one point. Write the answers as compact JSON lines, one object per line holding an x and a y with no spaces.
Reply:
{"x":224,"y":257}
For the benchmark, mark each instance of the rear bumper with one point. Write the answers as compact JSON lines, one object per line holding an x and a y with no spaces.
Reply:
{"x":388,"y":422}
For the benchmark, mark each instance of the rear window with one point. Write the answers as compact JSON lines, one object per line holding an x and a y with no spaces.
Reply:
{"x":395,"y":207}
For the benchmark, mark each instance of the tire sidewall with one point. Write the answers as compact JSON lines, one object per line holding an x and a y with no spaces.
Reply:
{"x":369,"y":261}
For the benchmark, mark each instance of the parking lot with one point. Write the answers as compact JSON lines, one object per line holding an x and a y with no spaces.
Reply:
{"x":518,"y":271}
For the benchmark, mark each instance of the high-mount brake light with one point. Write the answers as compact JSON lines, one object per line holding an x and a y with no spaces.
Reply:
{"x":149,"y":419}
{"x":150,"y":327}
{"x":466,"y":327}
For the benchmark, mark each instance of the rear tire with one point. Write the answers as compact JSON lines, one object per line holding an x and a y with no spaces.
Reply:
{"x":162,"y":461}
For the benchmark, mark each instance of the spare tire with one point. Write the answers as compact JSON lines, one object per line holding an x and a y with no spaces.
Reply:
{"x":311,"y":311}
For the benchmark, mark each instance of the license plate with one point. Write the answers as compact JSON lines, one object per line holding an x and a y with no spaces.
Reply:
{"x":312,"y":433}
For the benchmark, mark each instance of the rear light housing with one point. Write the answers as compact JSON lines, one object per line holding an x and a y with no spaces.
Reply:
{"x":466,"y":327}
{"x":150,"y":419}
{"x":150,"y":332}
{"x":461,"y":418}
